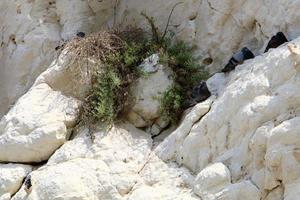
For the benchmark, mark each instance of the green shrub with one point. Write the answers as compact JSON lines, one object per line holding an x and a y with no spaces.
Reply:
{"x":117,"y":55}
{"x":179,"y":56}
{"x":171,"y":104}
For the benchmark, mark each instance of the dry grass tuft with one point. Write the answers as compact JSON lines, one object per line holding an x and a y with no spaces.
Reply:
{"x":95,"y":46}
{"x":111,"y":59}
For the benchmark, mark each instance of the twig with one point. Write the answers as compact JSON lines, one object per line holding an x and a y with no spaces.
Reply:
{"x":169,"y":19}
{"x":150,"y":20}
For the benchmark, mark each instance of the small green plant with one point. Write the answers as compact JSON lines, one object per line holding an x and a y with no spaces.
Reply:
{"x":104,"y":100}
{"x":117,"y":56}
{"x":179,"y":56}
{"x":171,"y":104}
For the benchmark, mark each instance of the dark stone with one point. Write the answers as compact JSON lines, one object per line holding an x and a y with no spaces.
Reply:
{"x":238,"y":58}
{"x":200,"y":92}
{"x":80,"y":34}
{"x":276,"y":41}
{"x":28,"y":183}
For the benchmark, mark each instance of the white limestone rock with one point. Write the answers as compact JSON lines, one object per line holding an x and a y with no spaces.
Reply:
{"x":5,"y":196}
{"x":211,"y":180}
{"x":11,"y":177}
{"x":251,"y":127}
{"x":39,"y":122}
{"x":150,"y":64}
{"x":160,"y":180}
{"x":76,"y":179}
{"x":217,"y":28}
{"x":168,"y":149}
{"x":115,"y":164}
{"x":216,"y":84}
{"x":214,"y":182}
{"x":94,"y":165}
{"x":243,"y":190}
{"x":30,"y":32}
{"x":147,"y":92}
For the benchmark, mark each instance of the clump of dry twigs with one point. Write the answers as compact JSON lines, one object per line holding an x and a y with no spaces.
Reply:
{"x":111,"y":59}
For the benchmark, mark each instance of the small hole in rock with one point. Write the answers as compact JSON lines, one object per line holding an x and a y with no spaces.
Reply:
{"x":193,"y":17}
{"x":207,"y":61}
{"x":19,"y":9}
{"x":12,"y":37}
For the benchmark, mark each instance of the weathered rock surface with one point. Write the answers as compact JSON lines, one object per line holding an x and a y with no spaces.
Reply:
{"x":242,"y":143}
{"x":214,"y":182}
{"x":218,"y":28}
{"x":252,"y":127}
{"x":11,"y":177}
{"x":30,"y":30}
{"x":39,"y":122}
{"x":108,"y":165}
{"x":147,"y":93}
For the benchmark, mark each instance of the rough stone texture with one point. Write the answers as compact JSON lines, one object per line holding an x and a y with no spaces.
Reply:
{"x":252,"y":127}
{"x":170,"y":146}
{"x":11,"y":177}
{"x":108,"y":165}
{"x":38,"y":123}
{"x":214,"y":182}
{"x":147,"y":93}
{"x":6,"y":196}
{"x":211,"y":180}
{"x":217,"y":28}
{"x":30,"y":31}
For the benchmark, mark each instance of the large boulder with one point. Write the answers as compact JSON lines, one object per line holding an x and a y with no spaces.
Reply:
{"x":147,"y":93}
{"x":40,"y":121}
{"x":211,"y":180}
{"x":214,"y":182}
{"x":251,"y":126}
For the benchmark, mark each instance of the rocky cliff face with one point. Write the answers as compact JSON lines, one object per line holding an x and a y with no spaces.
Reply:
{"x":242,"y":143}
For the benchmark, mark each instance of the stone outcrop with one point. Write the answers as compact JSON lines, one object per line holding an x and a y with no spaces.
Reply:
{"x":30,"y":30}
{"x":214,"y":182}
{"x":147,"y":92}
{"x":40,"y":121}
{"x":92,"y":166}
{"x":251,"y":127}
{"x":241,"y":143}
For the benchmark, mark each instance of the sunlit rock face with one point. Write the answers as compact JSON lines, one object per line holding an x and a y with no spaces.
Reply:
{"x":11,"y":178}
{"x":241,"y":143}
{"x":31,"y":29}
{"x":30,"y":32}
{"x":252,"y":127}
{"x":219,"y":28}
